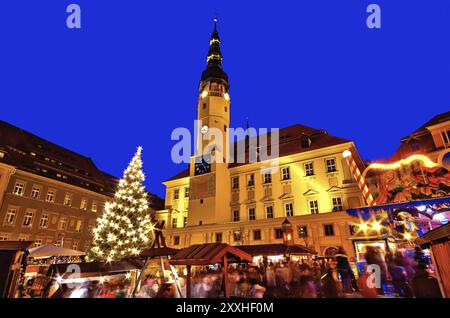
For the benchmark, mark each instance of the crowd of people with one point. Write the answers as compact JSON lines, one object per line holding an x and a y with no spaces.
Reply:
{"x":397,"y":275}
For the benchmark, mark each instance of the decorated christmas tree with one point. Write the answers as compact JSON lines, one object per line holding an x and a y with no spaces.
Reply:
{"x":124,"y":228}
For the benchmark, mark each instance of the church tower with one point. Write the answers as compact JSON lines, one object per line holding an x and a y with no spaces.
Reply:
{"x":209,"y":199}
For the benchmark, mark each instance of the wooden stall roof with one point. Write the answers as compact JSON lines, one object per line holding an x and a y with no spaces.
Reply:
{"x":15,"y":245}
{"x":92,"y":269}
{"x":440,"y":234}
{"x":276,"y":249}
{"x":49,"y":250}
{"x":209,"y":254}
{"x":158,"y":252}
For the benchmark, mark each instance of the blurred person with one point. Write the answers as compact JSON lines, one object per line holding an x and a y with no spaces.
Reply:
{"x":150,"y":288}
{"x":256,"y":290}
{"x":167,"y":290}
{"x":400,"y":277}
{"x":343,"y":267}
{"x":203,"y":287}
{"x":424,"y":285}
{"x":330,"y":284}
{"x":270,"y":277}
{"x":374,"y":257}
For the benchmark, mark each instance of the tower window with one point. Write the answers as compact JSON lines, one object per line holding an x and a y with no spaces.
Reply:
{"x":226,"y":109}
{"x":204,"y":106}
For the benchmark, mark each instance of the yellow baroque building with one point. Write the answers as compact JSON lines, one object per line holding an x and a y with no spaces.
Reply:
{"x":246,"y":203}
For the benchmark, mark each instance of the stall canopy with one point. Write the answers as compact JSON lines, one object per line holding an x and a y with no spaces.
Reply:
{"x":49,"y":250}
{"x":95,"y":269}
{"x":158,"y":252}
{"x":439,"y":235}
{"x":439,"y":242}
{"x":276,"y":249}
{"x":209,"y":254}
{"x":364,"y":212}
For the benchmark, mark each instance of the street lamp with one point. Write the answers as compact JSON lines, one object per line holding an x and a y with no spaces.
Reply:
{"x":286,"y":228}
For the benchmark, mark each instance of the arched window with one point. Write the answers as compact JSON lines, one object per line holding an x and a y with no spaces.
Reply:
{"x":330,"y":251}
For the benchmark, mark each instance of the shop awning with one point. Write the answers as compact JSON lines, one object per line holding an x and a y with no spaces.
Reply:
{"x":158,"y":252}
{"x":49,"y":250}
{"x":95,"y":269}
{"x":365,"y":211}
{"x":276,"y":249}
{"x":434,"y":236}
{"x":15,"y":245}
{"x":209,"y":254}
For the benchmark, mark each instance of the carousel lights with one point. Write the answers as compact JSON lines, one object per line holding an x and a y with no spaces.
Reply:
{"x":407,"y":236}
{"x":376,"y":226}
{"x":363,"y":226}
{"x":427,"y":162}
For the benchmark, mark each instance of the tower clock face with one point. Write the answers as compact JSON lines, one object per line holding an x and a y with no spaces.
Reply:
{"x":202,"y":166}
{"x":204,"y":129}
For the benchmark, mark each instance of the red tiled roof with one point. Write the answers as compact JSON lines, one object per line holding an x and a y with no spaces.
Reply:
{"x":433,"y":121}
{"x":39,"y":156}
{"x":182,"y":174}
{"x":290,"y":143}
{"x":209,"y":254}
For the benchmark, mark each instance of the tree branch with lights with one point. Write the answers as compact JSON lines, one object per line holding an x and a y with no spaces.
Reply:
{"x":125,"y":227}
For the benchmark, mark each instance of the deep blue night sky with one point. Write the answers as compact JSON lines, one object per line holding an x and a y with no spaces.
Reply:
{"x":130,"y":75}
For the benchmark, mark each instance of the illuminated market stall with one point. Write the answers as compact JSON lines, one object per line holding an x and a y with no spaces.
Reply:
{"x":396,"y":226}
{"x":210,"y":255}
{"x":438,"y":241}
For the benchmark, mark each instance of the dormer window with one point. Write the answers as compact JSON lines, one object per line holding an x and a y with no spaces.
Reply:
{"x":305,"y":142}
{"x":446,"y":137}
